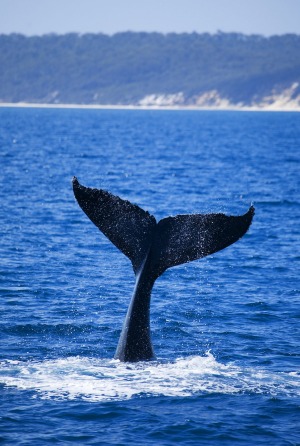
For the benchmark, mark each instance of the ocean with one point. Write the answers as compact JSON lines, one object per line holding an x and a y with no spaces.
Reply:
{"x":225,"y":328}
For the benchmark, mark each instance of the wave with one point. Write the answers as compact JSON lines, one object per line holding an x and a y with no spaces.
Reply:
{"x":90,"y":379}
{"x":278,"y":202}
{"x":36,"y":329}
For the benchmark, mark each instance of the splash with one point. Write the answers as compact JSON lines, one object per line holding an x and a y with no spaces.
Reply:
{"x":96,"y":380}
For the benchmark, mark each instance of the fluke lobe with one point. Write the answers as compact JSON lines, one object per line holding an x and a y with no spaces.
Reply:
{"x":152,"y":248}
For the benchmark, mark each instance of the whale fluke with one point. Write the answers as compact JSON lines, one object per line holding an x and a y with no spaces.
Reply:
{"x":185,"y":238}
{"x":152,"y":248}
{"x":125,"y":224}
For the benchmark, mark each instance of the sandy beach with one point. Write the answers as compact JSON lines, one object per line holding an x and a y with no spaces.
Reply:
{"x":271,"y":107}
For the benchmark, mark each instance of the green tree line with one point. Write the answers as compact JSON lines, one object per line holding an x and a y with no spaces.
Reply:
{"x":125,"y":67}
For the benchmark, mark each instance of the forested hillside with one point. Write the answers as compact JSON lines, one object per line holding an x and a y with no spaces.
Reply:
{"x":148,"y":68}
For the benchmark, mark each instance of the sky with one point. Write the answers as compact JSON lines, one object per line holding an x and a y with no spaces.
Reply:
{"x":37,"y":17}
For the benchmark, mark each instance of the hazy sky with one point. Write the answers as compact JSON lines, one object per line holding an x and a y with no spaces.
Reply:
{"x":265,"y":17}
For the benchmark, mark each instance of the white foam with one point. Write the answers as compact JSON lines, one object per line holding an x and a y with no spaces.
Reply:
{"x":105,"y":380}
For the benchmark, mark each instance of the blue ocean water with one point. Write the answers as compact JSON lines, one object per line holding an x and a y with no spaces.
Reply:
{"x":225,"y":328}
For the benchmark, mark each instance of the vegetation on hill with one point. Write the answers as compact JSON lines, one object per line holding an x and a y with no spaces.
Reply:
{"x":126,"y":67}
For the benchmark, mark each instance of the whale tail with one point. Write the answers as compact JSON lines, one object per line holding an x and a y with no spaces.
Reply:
{"x":173,"y":240}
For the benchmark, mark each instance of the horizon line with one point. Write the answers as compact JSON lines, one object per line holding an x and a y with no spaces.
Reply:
{"x":212,"y":34}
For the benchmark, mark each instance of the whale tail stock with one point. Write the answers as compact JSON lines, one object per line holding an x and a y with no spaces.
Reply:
{"x":172,"y":241}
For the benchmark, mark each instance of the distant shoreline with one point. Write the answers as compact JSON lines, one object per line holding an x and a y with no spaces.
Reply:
{"x":145,"y":107}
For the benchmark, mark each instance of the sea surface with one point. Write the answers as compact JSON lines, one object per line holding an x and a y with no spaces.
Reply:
{"x":225,"y":328}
